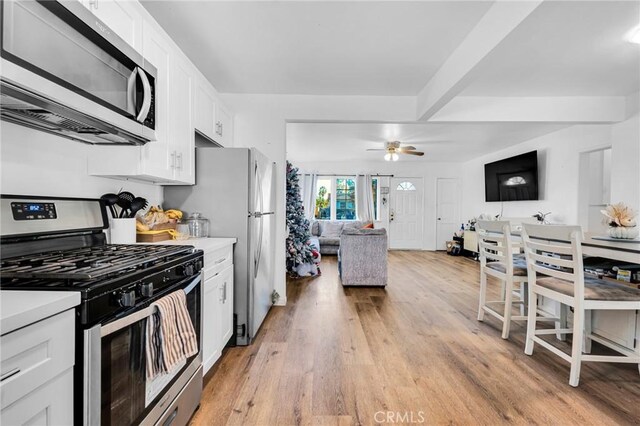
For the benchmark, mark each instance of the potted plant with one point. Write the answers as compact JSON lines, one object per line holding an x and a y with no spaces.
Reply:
{"x":621,"y":220}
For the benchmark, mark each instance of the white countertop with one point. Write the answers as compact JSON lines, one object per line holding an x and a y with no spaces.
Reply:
{"x":206,"y":244}
{"x":21,"y":308}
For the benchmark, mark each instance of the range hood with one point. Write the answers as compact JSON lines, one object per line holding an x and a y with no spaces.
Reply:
{"x":31,"y":110}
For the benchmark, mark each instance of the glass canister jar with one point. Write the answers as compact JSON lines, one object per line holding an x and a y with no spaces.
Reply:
{"x":198,"y":225}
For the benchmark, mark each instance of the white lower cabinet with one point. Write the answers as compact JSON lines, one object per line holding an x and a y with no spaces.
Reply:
{"x":226,"y":305}
{"x":217,"y":322}
{"x":36,"y":384}
{"x":50,"y":404}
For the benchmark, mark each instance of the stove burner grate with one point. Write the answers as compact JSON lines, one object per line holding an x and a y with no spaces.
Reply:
{"x":89,"y":263}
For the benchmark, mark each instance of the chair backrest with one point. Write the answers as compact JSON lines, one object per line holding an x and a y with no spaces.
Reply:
{"x":495,"y":243}
{"x":556,"y":251}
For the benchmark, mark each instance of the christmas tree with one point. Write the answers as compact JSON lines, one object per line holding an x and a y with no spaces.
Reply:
{"x":299,"y":248}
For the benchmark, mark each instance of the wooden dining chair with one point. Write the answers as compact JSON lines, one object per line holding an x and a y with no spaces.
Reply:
{"x":555,"y":271}
{"x":496,"y":250}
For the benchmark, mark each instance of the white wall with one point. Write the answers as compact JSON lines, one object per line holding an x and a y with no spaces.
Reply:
{"x":429,"y":172}
{"x":260,"y":122}
{"x":559,"y":166}
{"x":625,"y":162}
{"x":37,"y":163}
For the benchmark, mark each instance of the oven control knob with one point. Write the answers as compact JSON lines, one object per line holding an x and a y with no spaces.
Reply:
{"x":127,"y":298}
{"x":188,"y":270}
{"x":146,"y":289}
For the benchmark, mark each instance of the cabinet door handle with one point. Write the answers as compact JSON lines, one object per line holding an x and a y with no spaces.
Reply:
{"x":221,"y":128}
{"x":224,"y":292}
{"x":93,"y":4}
{"x":219,"y":261}
{"x":221,"y":298}
{"x":173,"y":160}
{"x":179,"y":157}
{"x":9,"y":373}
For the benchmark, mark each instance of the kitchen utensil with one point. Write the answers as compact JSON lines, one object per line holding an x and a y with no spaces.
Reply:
{"x":124,"y":201}
{"x":198,"y":225}
{"x":137,"y":204}
{"x":110,"y":201}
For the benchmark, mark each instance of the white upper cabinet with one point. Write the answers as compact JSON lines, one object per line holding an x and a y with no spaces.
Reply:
{"x":122,"y":16}
{"x":205,"y":108}
{"x":212,"y":118}
{"x":181,"y":131}
{"x":185,"y":102}
{"x":224,"y":126}
{"x":156,"y":160}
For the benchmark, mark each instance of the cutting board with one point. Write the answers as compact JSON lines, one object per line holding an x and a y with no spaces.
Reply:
{"x":153,"y":238}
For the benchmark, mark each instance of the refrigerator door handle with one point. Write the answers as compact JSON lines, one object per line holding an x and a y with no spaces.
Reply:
{"x":258,"y":215}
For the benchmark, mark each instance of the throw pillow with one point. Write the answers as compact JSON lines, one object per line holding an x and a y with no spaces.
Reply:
{"x":368,"y":226}
{"x":315,"y":228}
{"x":332,"y":230}
{"x":353,"y":224}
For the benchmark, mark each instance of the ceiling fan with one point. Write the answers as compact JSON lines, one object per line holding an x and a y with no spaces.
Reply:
{"x":393,"y":148}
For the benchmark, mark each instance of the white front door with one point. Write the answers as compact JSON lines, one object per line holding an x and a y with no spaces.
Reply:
{"x":405,"y":214}
{"x":448,"y":211}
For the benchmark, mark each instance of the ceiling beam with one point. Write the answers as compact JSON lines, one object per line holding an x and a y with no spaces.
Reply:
{"x":557,"y":109}
{"x":457,"y":71}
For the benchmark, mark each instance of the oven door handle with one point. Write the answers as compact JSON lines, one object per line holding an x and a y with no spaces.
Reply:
{"x":136,"y":316}
{"x":92,"y":381}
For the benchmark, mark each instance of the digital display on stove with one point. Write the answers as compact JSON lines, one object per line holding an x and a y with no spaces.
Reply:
{"x":33,"y":211}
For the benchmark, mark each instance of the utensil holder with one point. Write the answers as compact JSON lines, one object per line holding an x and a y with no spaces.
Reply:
{"x":122,"y":231}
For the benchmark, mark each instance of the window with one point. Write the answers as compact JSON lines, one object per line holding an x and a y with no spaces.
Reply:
{"x":345,"y":199}
{"x":405,"y":186}
{"x":335,"y":198}
{"x":323,"y":198}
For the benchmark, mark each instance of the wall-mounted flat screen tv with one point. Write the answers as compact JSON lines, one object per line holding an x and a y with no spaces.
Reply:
{"x":512,"y":179}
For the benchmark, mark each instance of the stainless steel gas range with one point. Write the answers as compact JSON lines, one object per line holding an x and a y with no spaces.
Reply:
{"x":58,"y":244}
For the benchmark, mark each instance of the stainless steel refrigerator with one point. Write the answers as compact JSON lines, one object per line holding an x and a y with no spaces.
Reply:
{"x":234,"y":190}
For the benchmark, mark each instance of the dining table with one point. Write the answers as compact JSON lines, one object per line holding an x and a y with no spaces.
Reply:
{"x":610,"y":248}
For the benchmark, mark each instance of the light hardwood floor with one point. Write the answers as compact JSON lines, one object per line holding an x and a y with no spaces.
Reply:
{"x":337,"y":356}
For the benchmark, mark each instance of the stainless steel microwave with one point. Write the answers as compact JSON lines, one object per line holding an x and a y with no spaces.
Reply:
{"x":65,"y":72}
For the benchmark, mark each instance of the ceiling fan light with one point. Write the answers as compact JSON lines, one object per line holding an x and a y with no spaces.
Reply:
{"x":387,"y":157}
{"x":394,"y":157}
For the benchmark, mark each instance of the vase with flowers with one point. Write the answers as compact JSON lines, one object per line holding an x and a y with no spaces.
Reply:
{"x":621,"y":220}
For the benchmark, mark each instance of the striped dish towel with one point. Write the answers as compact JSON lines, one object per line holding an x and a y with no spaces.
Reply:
{"x":171,"y":337}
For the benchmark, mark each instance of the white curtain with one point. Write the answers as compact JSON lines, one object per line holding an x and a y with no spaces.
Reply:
{"x":364,"y":198}
{"x":308,"y":193}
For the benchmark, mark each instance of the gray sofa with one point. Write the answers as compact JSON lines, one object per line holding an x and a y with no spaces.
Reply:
{"x":330,"y":242}
{"x":362,"y":257}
